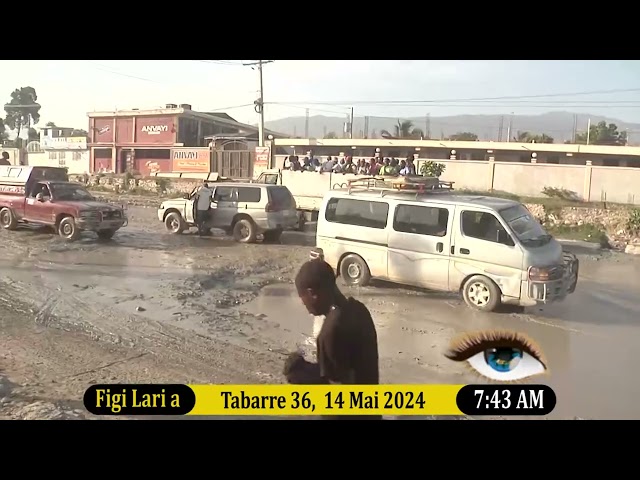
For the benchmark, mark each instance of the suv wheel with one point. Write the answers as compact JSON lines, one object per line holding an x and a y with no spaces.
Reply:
{"x":174,"y":223}
{"x":245,"y":231}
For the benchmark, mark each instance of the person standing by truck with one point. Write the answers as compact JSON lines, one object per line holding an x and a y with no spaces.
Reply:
{"x":203,"y":209}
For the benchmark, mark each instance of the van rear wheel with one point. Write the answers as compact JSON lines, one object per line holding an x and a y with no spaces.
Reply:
{"x":355,"y":271}
{"x":8,"y":220}
{"x":481,"y":293}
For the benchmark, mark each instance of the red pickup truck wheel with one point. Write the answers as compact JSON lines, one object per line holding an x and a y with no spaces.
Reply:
{"x":8,"y":220}
{"x":68,"y":229}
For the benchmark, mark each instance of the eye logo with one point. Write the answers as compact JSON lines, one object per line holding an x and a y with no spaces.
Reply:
{"x":499,"y":355}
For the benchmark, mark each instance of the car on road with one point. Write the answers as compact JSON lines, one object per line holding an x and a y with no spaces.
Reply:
{"x":491,"y":250}
{"x":44,"y":196}
{"x":244,"y":210}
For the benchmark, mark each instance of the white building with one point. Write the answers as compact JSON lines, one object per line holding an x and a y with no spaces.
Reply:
{"x":57,"y":148}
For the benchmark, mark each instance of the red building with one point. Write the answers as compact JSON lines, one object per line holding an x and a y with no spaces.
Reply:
{"x":144,"y":140}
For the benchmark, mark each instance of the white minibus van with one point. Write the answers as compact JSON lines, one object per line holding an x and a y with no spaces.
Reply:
{"x":491,"y":250}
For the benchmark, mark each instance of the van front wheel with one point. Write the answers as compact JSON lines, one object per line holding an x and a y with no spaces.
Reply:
{"x":481,"y":293}
{"x":354,"y":271}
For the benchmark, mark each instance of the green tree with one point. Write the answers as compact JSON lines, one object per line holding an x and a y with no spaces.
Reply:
{"x":79,"y":132}
{"x":403,"y":129}
{"x":463,"y":137}
{"x":331,"y":135}
{"x":33,"y":135}
{"x":50,"y":124}
{"x":603,"y":134}
{"x":528,"y":137}
{"x":22,"y":110}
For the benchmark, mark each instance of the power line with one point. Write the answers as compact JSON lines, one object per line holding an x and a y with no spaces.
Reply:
{"x":115,"y":72}
{"x":384,"y":102}
{"x":222,"y":62}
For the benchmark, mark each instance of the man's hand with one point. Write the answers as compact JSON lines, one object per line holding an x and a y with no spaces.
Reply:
{"x":300,"y":372}
{"x":295,"y":361}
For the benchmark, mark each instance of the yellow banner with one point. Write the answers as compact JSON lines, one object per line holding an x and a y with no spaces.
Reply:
{"x":325,"y":400}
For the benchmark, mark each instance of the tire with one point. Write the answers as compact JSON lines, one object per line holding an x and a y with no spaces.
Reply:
{"x":481,"y":293}
{"x":8,"y":220}
{"x":355,"y":271}
{"x":272,"y":236}
{"x":174,"y":223}
{"x":106,"y":234}
{"x":68,"y":229}
{"x":245,"y":231}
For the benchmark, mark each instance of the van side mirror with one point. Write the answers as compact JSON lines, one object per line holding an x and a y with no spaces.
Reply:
{"x":504,"y":238}
{"x":40,"y":197}
{"x":186,"y":196}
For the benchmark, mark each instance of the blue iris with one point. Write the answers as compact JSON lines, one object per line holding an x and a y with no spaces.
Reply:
{"x":503,"y":359}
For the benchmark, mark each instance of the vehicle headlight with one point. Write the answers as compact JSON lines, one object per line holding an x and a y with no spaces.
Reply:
{"x":545,"y":274}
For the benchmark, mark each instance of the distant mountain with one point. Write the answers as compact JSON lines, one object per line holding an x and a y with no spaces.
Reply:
{"x":558,"y":125}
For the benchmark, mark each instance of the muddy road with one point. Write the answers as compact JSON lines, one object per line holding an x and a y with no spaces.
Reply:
{"x":150,"y":307}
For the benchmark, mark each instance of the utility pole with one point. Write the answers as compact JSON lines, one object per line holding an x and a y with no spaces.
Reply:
{"x":500,"y":129}
{"x":366,"y":127}
{"x":575,"y":128}
{"x":351,"y":125}
{"x":509,"y":128}
{"x":588,"y":131}
{"x":306,"y":124}
{"x":427,"y":130}
{"x":259,"y":103}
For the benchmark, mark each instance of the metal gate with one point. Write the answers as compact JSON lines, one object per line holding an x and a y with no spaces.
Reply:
{"x":237,"y":164}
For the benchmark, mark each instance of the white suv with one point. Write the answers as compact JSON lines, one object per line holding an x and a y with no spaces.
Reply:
{"x":244,"y":210}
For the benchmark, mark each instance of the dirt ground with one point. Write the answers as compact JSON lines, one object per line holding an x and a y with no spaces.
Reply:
{"x":148,"y":307}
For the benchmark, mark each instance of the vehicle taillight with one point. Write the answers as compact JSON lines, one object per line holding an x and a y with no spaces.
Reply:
{"x":272,"y":207}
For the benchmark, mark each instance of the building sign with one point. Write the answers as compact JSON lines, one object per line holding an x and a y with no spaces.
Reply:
{"x":64,"y":143}
{"x":193,"y":160}
{"x":262,"y":160}
{"x":101,"y":130}
{"x":156,"y":130}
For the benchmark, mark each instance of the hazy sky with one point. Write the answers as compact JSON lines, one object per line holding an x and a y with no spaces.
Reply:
{"x":67,"y":90}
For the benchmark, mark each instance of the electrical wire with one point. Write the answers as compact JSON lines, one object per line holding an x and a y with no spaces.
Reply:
{"x":440,"y":101}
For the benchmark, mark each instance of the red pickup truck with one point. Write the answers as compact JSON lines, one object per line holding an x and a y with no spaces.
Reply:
{"x":44,"y":196}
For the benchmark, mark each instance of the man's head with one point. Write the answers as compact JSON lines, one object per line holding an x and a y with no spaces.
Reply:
{"x":316,"y":285}
{"x":5,"y":155}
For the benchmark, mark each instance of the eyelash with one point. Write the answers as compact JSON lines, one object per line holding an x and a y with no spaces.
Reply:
{"x":469,"y":344}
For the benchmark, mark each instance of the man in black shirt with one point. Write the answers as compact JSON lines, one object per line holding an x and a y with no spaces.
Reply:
{"x":347,"y":345}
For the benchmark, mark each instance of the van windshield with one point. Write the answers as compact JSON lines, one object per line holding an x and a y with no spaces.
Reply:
{"x":525,"y":226}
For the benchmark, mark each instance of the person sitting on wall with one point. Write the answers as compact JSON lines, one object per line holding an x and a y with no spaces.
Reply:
{"x":5,"y":159}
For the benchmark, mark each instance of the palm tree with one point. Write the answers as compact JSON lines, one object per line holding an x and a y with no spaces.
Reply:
{"x":403,"y":129}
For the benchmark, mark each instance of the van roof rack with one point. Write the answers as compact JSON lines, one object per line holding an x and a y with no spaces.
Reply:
{"x":418,"y":184}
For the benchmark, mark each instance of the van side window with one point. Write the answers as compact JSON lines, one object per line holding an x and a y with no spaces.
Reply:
{"x":362,"y":213}
{"x":248,"y":194}
{"x":421,"y":220}
{"x":482,"y":225}
{"x":224,"y":194}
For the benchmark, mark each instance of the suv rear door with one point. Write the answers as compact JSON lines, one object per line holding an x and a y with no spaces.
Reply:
{"x":226,"y":206}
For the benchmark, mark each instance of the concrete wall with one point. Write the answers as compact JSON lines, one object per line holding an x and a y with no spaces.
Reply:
{"x":589,"y":182}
